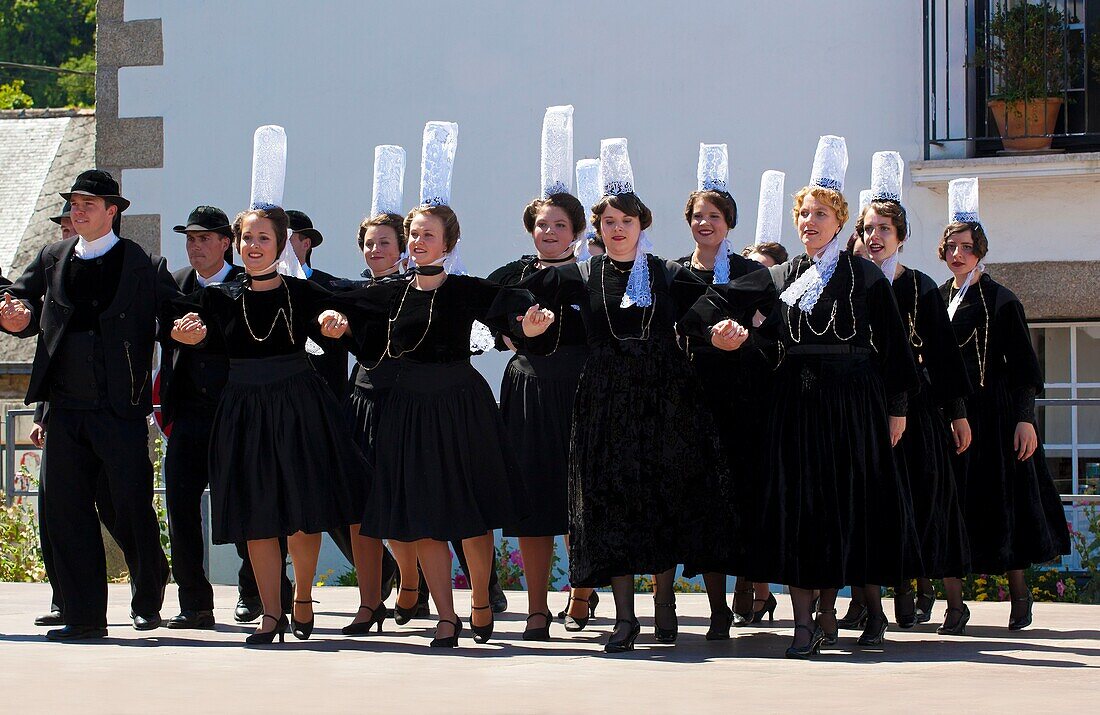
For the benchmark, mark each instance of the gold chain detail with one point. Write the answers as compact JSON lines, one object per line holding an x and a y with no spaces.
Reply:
{"x":279,"y":313}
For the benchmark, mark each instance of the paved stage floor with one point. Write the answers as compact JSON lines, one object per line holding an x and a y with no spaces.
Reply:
{"x":1053,"y":666}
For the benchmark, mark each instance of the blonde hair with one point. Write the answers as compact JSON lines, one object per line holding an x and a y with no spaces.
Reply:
{"x":833,"y":198}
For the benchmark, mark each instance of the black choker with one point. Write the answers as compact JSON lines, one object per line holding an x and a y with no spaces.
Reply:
{"x":429,"y":270}
{"x":249,"y":278}
{"x":553,"y":261}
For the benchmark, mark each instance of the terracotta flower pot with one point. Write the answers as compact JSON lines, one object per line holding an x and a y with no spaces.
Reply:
{"x":1023,"y":124}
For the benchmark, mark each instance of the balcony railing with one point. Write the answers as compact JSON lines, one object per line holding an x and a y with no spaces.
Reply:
{"x":981,"y":50}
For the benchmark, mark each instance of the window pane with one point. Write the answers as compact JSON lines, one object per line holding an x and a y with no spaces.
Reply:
{"x":1088,"y":354}
{"x":1052,"y":346}
{"x":1061,"y":468}
{"x":1089,"y":480}
{"x":1088,"y":418}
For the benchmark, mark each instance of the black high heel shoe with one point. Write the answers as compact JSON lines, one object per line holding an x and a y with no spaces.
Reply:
{"x":905,"y":610}
{"x":828,"y":637}
{"x":874,"y":633}
{"x":741,"y":618}
{"x":720,"y":623}
{"x":450,"y":641}
{"x":769,"y":608}
{"x":267,"y":637}
{"x":666,"y":635}
{"x":925,"y":603}
{"x":959,"y":627}
{"x":362,"y":628}
{"x":810,"y":649}
{"x":538,"y":634}
{"x":1018,"y":624}
{"x":624,"y":644}
{"x":402,"y":615}
{"x":573,"y":624}
{"x":855,"y":619}
{"x":482,"y":634}
{"x":302,"y":629}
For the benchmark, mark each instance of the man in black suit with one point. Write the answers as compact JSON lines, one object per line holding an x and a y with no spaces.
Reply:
{"x":333,"y":364}
{"x":56,"y":616}
{"x":93,"y":301}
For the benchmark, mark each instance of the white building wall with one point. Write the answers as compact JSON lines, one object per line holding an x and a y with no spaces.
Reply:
{"x":344,"y":75}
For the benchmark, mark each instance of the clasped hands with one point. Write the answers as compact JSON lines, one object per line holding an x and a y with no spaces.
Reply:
{"x":191,"y":330}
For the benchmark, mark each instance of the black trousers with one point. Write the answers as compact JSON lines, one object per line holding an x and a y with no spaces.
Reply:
{"x":82,"y":445}
{"x":106,"y":516}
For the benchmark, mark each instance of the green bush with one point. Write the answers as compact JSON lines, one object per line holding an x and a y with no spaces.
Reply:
{"x":20,"y":550}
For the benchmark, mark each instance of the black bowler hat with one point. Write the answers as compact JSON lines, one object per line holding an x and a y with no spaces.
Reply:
{"x":66,"y":212}
{"x":207,"y":218}
{"x":97,"y":183}
{"x":300,"y":223}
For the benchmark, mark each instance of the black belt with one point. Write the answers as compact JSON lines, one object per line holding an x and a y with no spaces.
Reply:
{"x":828,"y":350}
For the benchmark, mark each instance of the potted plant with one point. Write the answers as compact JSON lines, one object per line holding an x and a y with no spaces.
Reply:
{"x":1025,"y":51}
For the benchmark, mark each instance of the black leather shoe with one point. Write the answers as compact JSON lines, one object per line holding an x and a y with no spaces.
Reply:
{"x":76,"y":633}
{"x":497,"y":600}
{"x":53,"y":618}
{"x":1018,"y":624}
{"x":874,"y":633}
{"x":248,"y":610}
{"x":147,"y":622}
{"x":192,"y":619}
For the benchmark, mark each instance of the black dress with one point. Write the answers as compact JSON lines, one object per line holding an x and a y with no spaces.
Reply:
{"x":735,"y":388}
{"x":835,"y":509}
{"x":648,"y":482}
{"x":442,"y":466}
{"x":927,"y":448}
{"x":372,"y":378}
{"x":536,"y":403}
{"x":281,"y":456}
{"x":1014,"y":515}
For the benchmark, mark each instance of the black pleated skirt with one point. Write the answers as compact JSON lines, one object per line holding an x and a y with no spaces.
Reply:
{"x":835,"y":509}
{"x":536,"y":403}
{"x":648,"y":482}
{"x":926,"y":452}
{"x":363,"y":405}
{"x":734,"y":391}
{"x":443,"y":469}
{"x":282,"y":459}
{"x":1014,"y":516}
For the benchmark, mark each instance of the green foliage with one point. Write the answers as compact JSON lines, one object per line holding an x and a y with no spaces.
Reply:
{"x":20,"y":550}
{"x":50,"y":33}
{"x":12,"y":96}
{"x":1027,"y":51}
{"x":79,"y":89}
{"x":159,"y":503}
{"x":645,"y":584}
{"x":1087,"y":544}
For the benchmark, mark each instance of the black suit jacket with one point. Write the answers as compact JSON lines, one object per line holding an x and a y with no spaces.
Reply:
{"x":333,"y":365}
{"x":128,"y":326}
{"x":207,"y":365}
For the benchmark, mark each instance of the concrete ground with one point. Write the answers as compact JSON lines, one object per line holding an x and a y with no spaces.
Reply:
{"x":1053,"y":666}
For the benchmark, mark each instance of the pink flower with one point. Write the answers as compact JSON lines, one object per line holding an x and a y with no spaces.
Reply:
{"x":1061,"y":587}
{"x":1000,"y":593}
{"x":460,"y":581}
{"x":516,"y":558}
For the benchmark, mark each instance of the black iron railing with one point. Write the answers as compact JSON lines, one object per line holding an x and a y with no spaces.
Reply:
{"x":980,"y":51}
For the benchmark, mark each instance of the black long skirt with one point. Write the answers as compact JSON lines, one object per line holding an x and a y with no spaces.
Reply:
{"x":363,"y":404}
{"x":647,"y":478}
{"x":282,"y":459}
{"x":926,"y":453}
{"x":734,"y":389}
{"x":536,"y":403}
{"x":443,"y":469}
{"x":1014,"y":516}
{"x":834,"y":508}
